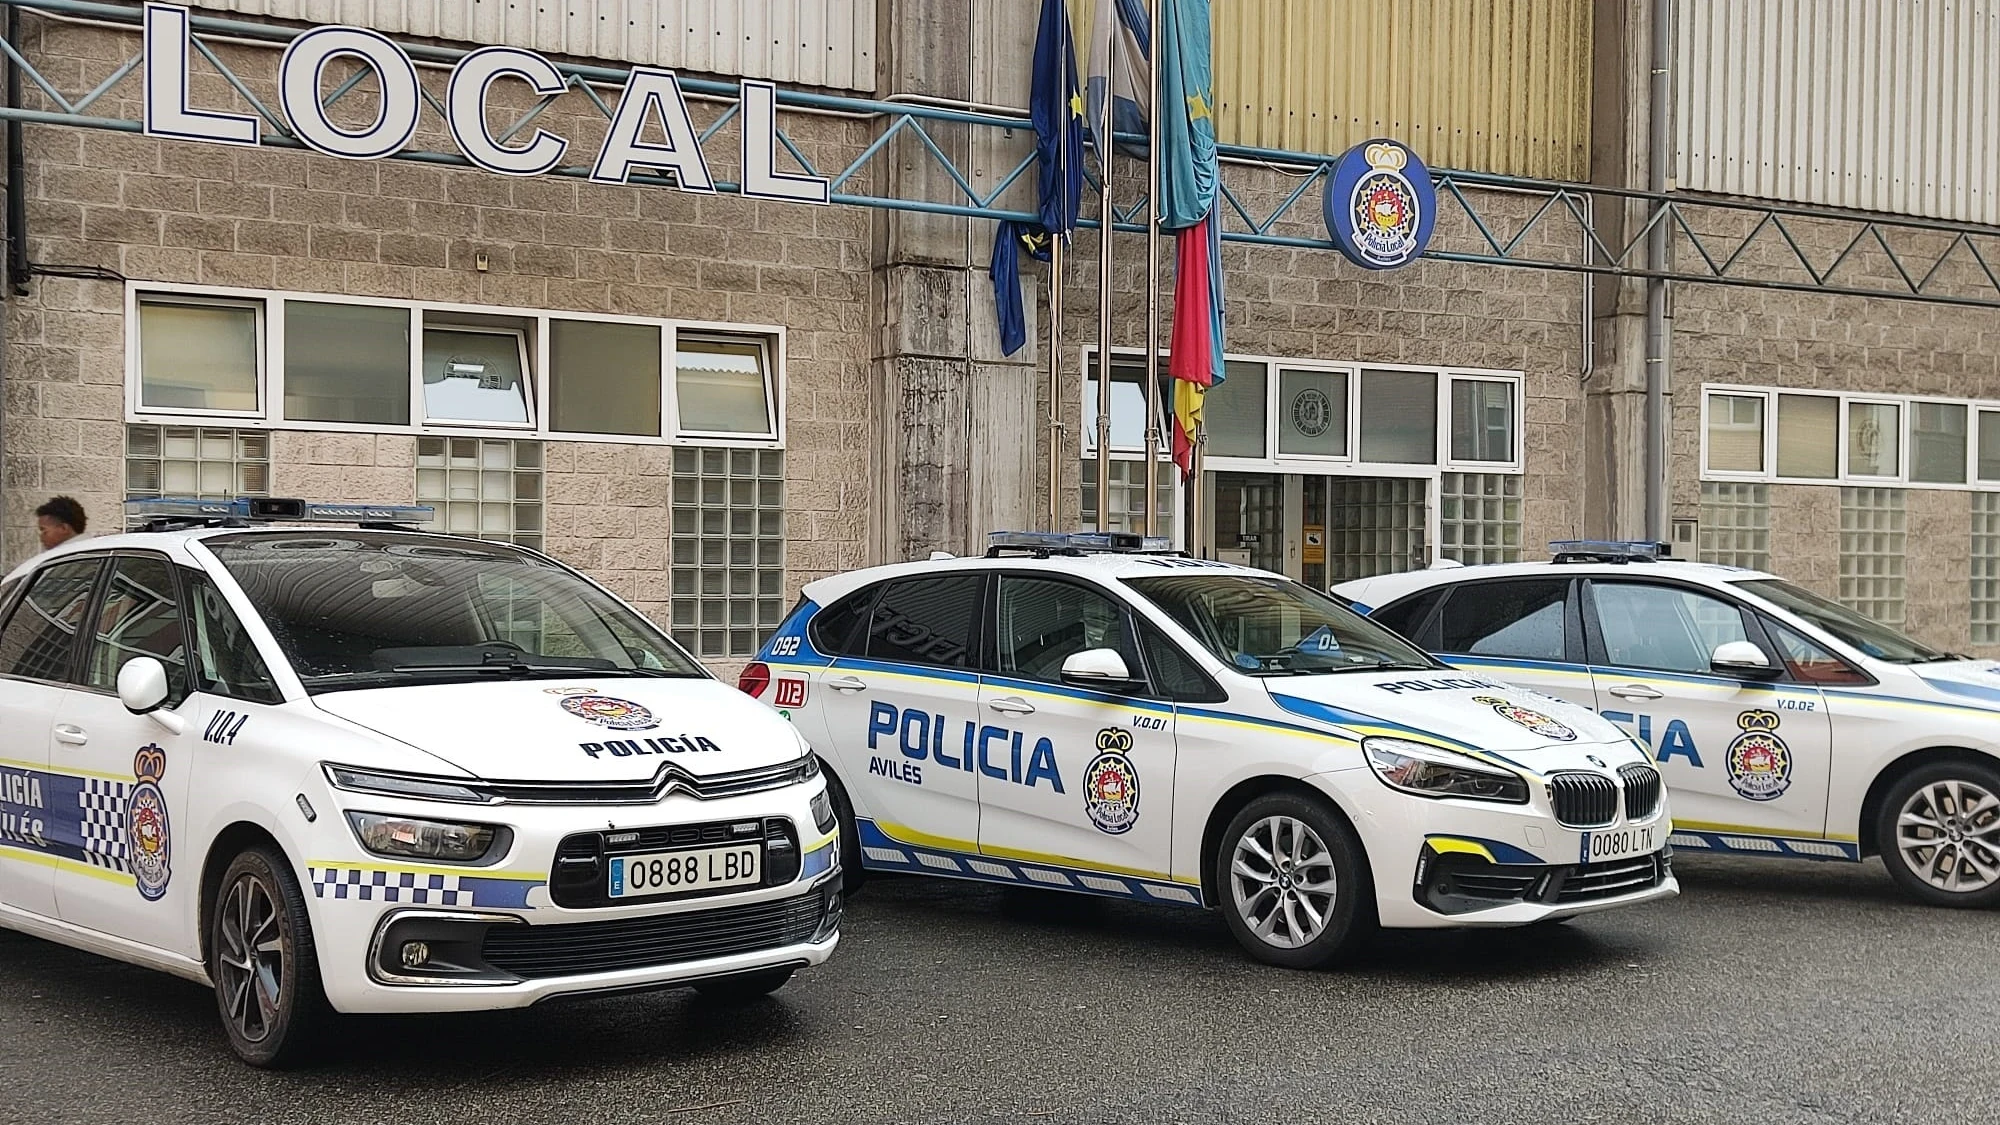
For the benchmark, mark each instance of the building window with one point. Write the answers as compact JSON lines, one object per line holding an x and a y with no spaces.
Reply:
{"x":728,"y":549}
{"x":200,"y":356}
{"x":1479,"y":517}
{"x":1736,"y":524}
{"x":1808,"y":437}
{"x":1399,"y":417}
{"x":347,"y":363}
{"x":1312,"y":413}
{"x":1872,"y":539}
{"x":722,"y":386}
{"x":213,"y":464}
{"x":1482,"y":420}
{"x":1852,"y":438}
{"x":1234,"y":412}
{"x":475,"y":374}
{"x":1986,"y":568}
{"x":483,"y":487}
{"x":1736,"y":433}
{"x":1937,"y":442}
{"x":1989,"y":447}
{"x":1377,"y":528}
{"x":1874,"y":439}
{"x":1128,"y":496}
{"x":604,"y":378}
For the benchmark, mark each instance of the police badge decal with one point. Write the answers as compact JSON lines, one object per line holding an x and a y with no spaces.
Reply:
{"x":605,"y":711}
{"x":148,"y":842}
{"x":1760,"y":764}
{"x":1111,"y":784}
{"x":1523,"y":717}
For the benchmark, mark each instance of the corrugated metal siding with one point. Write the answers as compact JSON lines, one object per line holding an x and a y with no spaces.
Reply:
{"x":1880,"y":105}
{"x":809,"y":42}
{"x":1489,"y":85}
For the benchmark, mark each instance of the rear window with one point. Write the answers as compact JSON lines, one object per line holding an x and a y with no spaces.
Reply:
{"x":926,"y":621}
{"x":1521,"y":619}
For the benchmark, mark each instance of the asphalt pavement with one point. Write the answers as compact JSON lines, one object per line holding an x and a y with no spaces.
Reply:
{"x":1771,"y":993}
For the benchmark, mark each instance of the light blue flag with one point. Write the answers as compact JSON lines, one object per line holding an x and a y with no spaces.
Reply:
{"x":1188,"y":173}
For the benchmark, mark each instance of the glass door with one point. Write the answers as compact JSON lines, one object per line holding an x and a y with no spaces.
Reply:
{"x":1250,"y":519}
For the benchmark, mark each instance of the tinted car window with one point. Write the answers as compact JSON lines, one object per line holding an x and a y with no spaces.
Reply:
{"x":139,"y":616}
{"x":1809,"y":662}
{"x":1407,"y":616}
{"x":1520,"y":619}
{"x":1175,"y":674}
{"x":833,"y":629}
{"x":926,"y":621}
{"x":225,"y":659}
{"x":1664,"y":627}
{"x":40,"y":639}
{"x":1043,"y":623}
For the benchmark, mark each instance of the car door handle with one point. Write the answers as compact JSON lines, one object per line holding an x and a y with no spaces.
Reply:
{"x":846,"y":683}
{"x":71,"y":735}
{"x":1634,"y":691}
{"x":1012,"y":705}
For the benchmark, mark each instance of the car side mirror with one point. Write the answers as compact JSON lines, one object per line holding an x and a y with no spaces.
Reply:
{"x":1099,"y":669}
{"x":1741,"y":658}
{"x":143,"y":689}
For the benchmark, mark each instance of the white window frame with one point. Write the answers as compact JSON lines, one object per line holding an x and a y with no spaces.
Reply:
{"x":270,"y":381}
{"x":1906,"y":415}
{"x":135,"y":408}
{"x":530,"y":393}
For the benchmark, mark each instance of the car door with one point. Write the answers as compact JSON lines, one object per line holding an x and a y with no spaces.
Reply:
{"x":1522,"y":631}
{"x":1067,"y":775}
{"x":134,"y":770}
{"x":38,"y":656}
{"x":901,"y":709}
{"x":1740,"y":752}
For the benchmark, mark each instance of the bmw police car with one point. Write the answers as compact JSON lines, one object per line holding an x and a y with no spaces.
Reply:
{"x":1060,"y":714}
{"x":1786,"y":725}
{"x":383,"y":771}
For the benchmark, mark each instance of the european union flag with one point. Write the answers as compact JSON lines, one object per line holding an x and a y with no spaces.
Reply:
{"x":1056,"y":105}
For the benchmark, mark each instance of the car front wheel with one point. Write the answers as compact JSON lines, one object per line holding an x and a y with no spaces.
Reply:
{"x":1939,"y":834}
{"x":1294,"y":885}
{"x":262,"y":961}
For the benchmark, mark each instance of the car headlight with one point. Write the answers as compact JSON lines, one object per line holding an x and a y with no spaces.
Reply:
{"x":1433,"y":771}
{"x":822,"y":810}
{"x":402,"y":785}
{"x":407,"y":837}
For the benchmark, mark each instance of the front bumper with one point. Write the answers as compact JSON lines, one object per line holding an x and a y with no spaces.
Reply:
{"x":1459,"y":884}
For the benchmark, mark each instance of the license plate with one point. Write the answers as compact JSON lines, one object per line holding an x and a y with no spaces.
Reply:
{"x":666,"y":873}
{"x":1600,"y":846}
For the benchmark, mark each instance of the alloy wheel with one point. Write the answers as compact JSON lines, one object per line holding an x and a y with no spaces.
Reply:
{"x":251,"y":957}
{"x":1282,"y":879}
{"x":1948,"y":834}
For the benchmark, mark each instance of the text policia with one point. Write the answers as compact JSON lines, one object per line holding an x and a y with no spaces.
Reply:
{"x":651,"y":98}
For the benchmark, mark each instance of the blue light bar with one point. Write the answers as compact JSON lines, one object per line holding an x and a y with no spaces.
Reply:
{"x":1076,"y":541}
{"x":1610,"y":549}
{"x":269,"y":509}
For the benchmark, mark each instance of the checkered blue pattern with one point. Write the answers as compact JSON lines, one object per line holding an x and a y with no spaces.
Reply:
{"x":102,"y":817}
{"x":389,"y":886}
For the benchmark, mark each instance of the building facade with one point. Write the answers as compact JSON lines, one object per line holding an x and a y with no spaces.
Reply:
{"x":706,"y":398}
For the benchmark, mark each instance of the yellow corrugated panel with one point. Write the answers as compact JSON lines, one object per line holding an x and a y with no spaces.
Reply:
{"x":1488,"y":85}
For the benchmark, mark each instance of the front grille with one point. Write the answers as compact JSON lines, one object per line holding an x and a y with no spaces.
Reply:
{"x":1583,"y":800}
{"x":1610,"y":879}
{"x":1642,"y":790}
{"x":539,"y":952}
{"x":1483,"y":880}
{"x":669,"y":779}
{"x":580,"y":875}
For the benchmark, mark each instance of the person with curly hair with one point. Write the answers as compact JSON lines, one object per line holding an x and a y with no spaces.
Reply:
{"x":59,"y":521}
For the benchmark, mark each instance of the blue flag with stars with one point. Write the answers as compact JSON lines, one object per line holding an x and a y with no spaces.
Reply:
{"x":1055,"y":103}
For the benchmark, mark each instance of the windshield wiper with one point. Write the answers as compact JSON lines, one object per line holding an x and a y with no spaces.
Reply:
{"x":1385,"y":666}
{"x":1941,"y":658}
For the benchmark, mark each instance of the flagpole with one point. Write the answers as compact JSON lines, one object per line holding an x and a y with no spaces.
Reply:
{"x":1055,"y":381}
{"x":1106,"y":219}
{"x":1152,"y":269}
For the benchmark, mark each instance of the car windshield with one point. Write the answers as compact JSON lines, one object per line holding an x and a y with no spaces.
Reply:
{"x":1275,"y":627}
{"x":1868,"y":635}
{"x":369,"y":609}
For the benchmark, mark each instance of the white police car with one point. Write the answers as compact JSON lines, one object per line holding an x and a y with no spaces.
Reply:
{"x":386,"y":771}
{"x":1139,"y":724}
{"x":1786,"y":725}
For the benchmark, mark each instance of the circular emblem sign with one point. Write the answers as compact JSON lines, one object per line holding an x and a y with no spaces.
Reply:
{"x":618,"y":714}
{"x":1111,"y":784}
{"x":1312,"y":412}
{"x":1760,"y":764}
{"x":1380,"y":206}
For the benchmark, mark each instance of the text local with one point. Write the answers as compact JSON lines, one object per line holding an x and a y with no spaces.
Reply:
{"x":651,"y":96}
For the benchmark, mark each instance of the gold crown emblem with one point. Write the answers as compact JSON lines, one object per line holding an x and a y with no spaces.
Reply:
{"x":1386,"y":156}
{"x":150,"y":764}
{"x":1758,"y":720}
{"x":1114,"y":739}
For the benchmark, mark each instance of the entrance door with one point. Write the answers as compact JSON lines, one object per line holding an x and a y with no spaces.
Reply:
{"x":1249,"y":519}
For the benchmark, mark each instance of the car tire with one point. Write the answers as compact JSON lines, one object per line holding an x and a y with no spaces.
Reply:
{"x":852,"y":877}
{"x":1285,"y":861}
{"x":1937,"y":823}
{"x":744,"y":987}
{"x":263,"y":962}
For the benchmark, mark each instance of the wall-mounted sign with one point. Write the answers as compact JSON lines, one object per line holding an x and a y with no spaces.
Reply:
{"x":650,"y":105}
{"x":1315,"y":550}
{"x":1380,"y":205}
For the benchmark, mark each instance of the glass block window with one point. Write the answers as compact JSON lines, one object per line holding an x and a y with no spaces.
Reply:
{"x":1872,"y":543}
{"x":1128,"y":497}
{"x":214,"y":464}
{"x":1736,"y":524}
{"x":728,"y":549}
{"x":484,"y":487}
{"x":1479,"y":517}
{"x":1986,"y":568}
{"x":1377,"y":528}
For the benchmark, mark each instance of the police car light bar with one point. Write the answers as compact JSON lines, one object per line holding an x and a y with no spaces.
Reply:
{"x":1075,"y":542}
{"x":266,"y":509}
{"x":1610,"y":550}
